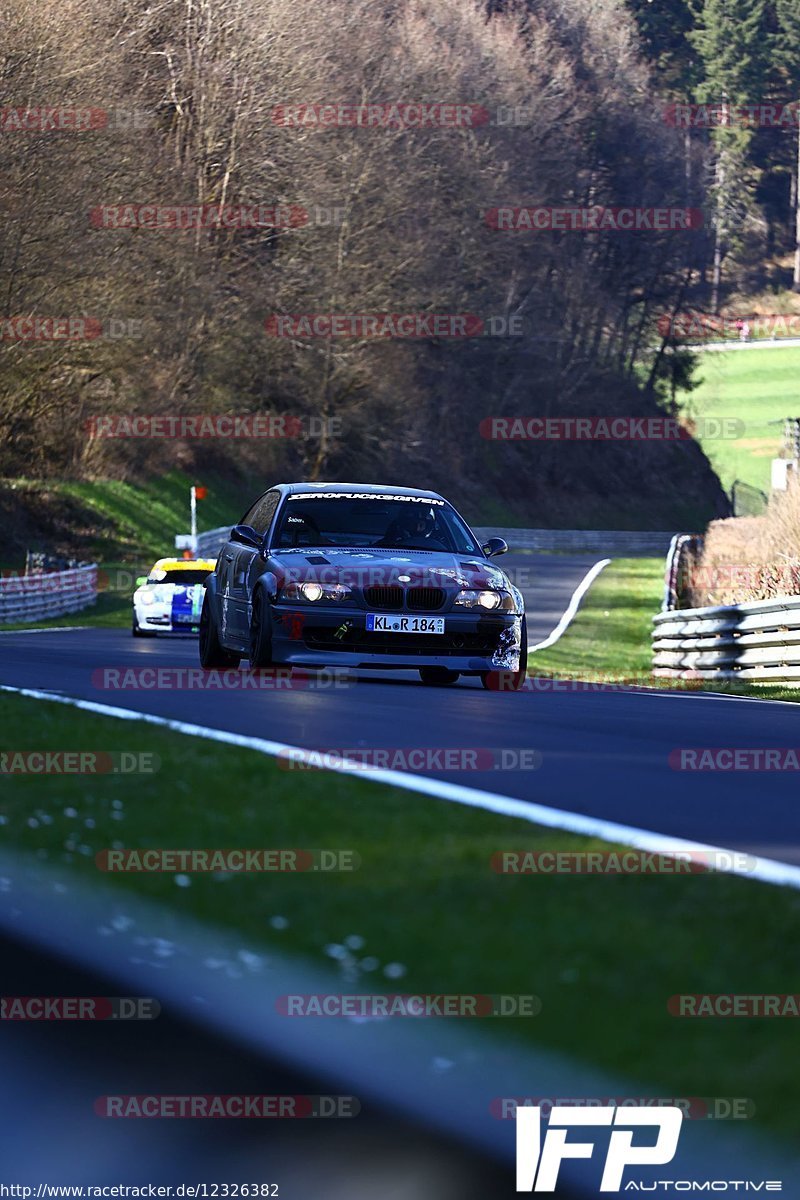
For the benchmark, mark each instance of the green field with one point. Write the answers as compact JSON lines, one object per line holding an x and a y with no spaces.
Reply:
{"x":757,"y":387}
{"x":602,"y":953}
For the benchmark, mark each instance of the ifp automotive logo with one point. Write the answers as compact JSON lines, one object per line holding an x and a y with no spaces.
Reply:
{"x":538,"y":1163}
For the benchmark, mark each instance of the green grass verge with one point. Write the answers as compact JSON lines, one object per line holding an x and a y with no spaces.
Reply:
{"x":147,"y":517}
{"x":756,"y":387}
{"x":135,"y":522}
{"x":604,"y":954}
{"x":610,"y":637}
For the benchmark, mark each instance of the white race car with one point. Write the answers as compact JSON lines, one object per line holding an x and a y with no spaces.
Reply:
{"x":170,"y":598}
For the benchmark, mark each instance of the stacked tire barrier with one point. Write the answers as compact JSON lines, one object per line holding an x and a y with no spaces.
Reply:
{"x":47,"y":594}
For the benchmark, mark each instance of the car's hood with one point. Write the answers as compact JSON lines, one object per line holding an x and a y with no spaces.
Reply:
{"x":383,"y":568}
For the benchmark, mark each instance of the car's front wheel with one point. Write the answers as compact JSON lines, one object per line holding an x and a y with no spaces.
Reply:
{"x":212,"y":653}
{"x":510,"y":681}
{"x":437,"y":676}
{"x":260,"y":634}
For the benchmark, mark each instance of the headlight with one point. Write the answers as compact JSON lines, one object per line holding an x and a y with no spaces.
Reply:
{"x":145,"y":597}
{"x":313,"y":591}
{"x":487,"y":600}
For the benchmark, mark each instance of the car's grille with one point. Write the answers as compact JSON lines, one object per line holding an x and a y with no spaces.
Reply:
{"x":384,"y":597}
{"x":421,"y":599}
{"x":393,"y":599}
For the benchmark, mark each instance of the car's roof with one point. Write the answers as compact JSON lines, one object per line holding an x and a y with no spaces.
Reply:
{"x":371,"y":489}
{"x":184,"y":564}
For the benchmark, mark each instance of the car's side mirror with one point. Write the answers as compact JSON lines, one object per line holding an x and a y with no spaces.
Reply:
{"x":494,"y":546}
{"x":141,"y":581}
{"x":247,"y":536}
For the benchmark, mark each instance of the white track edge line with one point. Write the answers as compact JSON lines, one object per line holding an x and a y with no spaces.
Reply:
{"x":572,"y":607}
{"x":45,"y":629}
{"x":766,"y":870}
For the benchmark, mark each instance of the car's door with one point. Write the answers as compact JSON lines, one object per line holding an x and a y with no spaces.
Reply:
{"x":224,"y":574}
{"x":244,"y":561}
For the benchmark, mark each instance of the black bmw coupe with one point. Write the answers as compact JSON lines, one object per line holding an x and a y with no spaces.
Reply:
{"x":362,"y":576}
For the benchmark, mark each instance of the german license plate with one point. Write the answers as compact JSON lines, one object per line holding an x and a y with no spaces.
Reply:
{"x":398,"y":623}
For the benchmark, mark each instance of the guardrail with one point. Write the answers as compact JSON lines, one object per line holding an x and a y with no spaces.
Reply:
{"x":211,"y":542}
{"x":757,"y":641}
{"x":622,"y":542}
{"x":682,"y":544}
{"x":49,"y":594}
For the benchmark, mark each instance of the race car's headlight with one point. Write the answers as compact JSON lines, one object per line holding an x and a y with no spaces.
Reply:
{"x":487,"y":600}
{"x":145,"y":597}
{"x":313,"y":591}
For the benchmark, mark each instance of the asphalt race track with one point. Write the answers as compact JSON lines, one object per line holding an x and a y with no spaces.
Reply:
{"x":603,"y":753}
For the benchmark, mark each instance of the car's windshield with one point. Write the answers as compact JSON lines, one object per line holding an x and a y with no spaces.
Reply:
{"x":187,"y":578}
{"x":403,"y":523}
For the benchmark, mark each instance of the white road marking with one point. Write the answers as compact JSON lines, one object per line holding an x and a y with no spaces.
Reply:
{"x":46,"y":629}
{"x":572,"y":607}
{"x":766,"y":870}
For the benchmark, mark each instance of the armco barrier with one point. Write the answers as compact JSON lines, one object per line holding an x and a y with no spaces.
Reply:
{"x":623,"y":542}
{"x":50,"y":594}
{"x":682,"y":544}
{"x":210,"y":543}
{"x":758,"y":641}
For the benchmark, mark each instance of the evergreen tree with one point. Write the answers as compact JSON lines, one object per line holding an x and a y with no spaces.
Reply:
{"x":787,"y":48}
{"x":731,"y":39}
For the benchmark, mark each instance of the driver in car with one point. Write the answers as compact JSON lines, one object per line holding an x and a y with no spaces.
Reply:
{"x":418,"y":526}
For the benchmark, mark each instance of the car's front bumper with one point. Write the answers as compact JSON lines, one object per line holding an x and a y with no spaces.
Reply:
{"x":472,"y":642}
{"x":161,"y":622}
